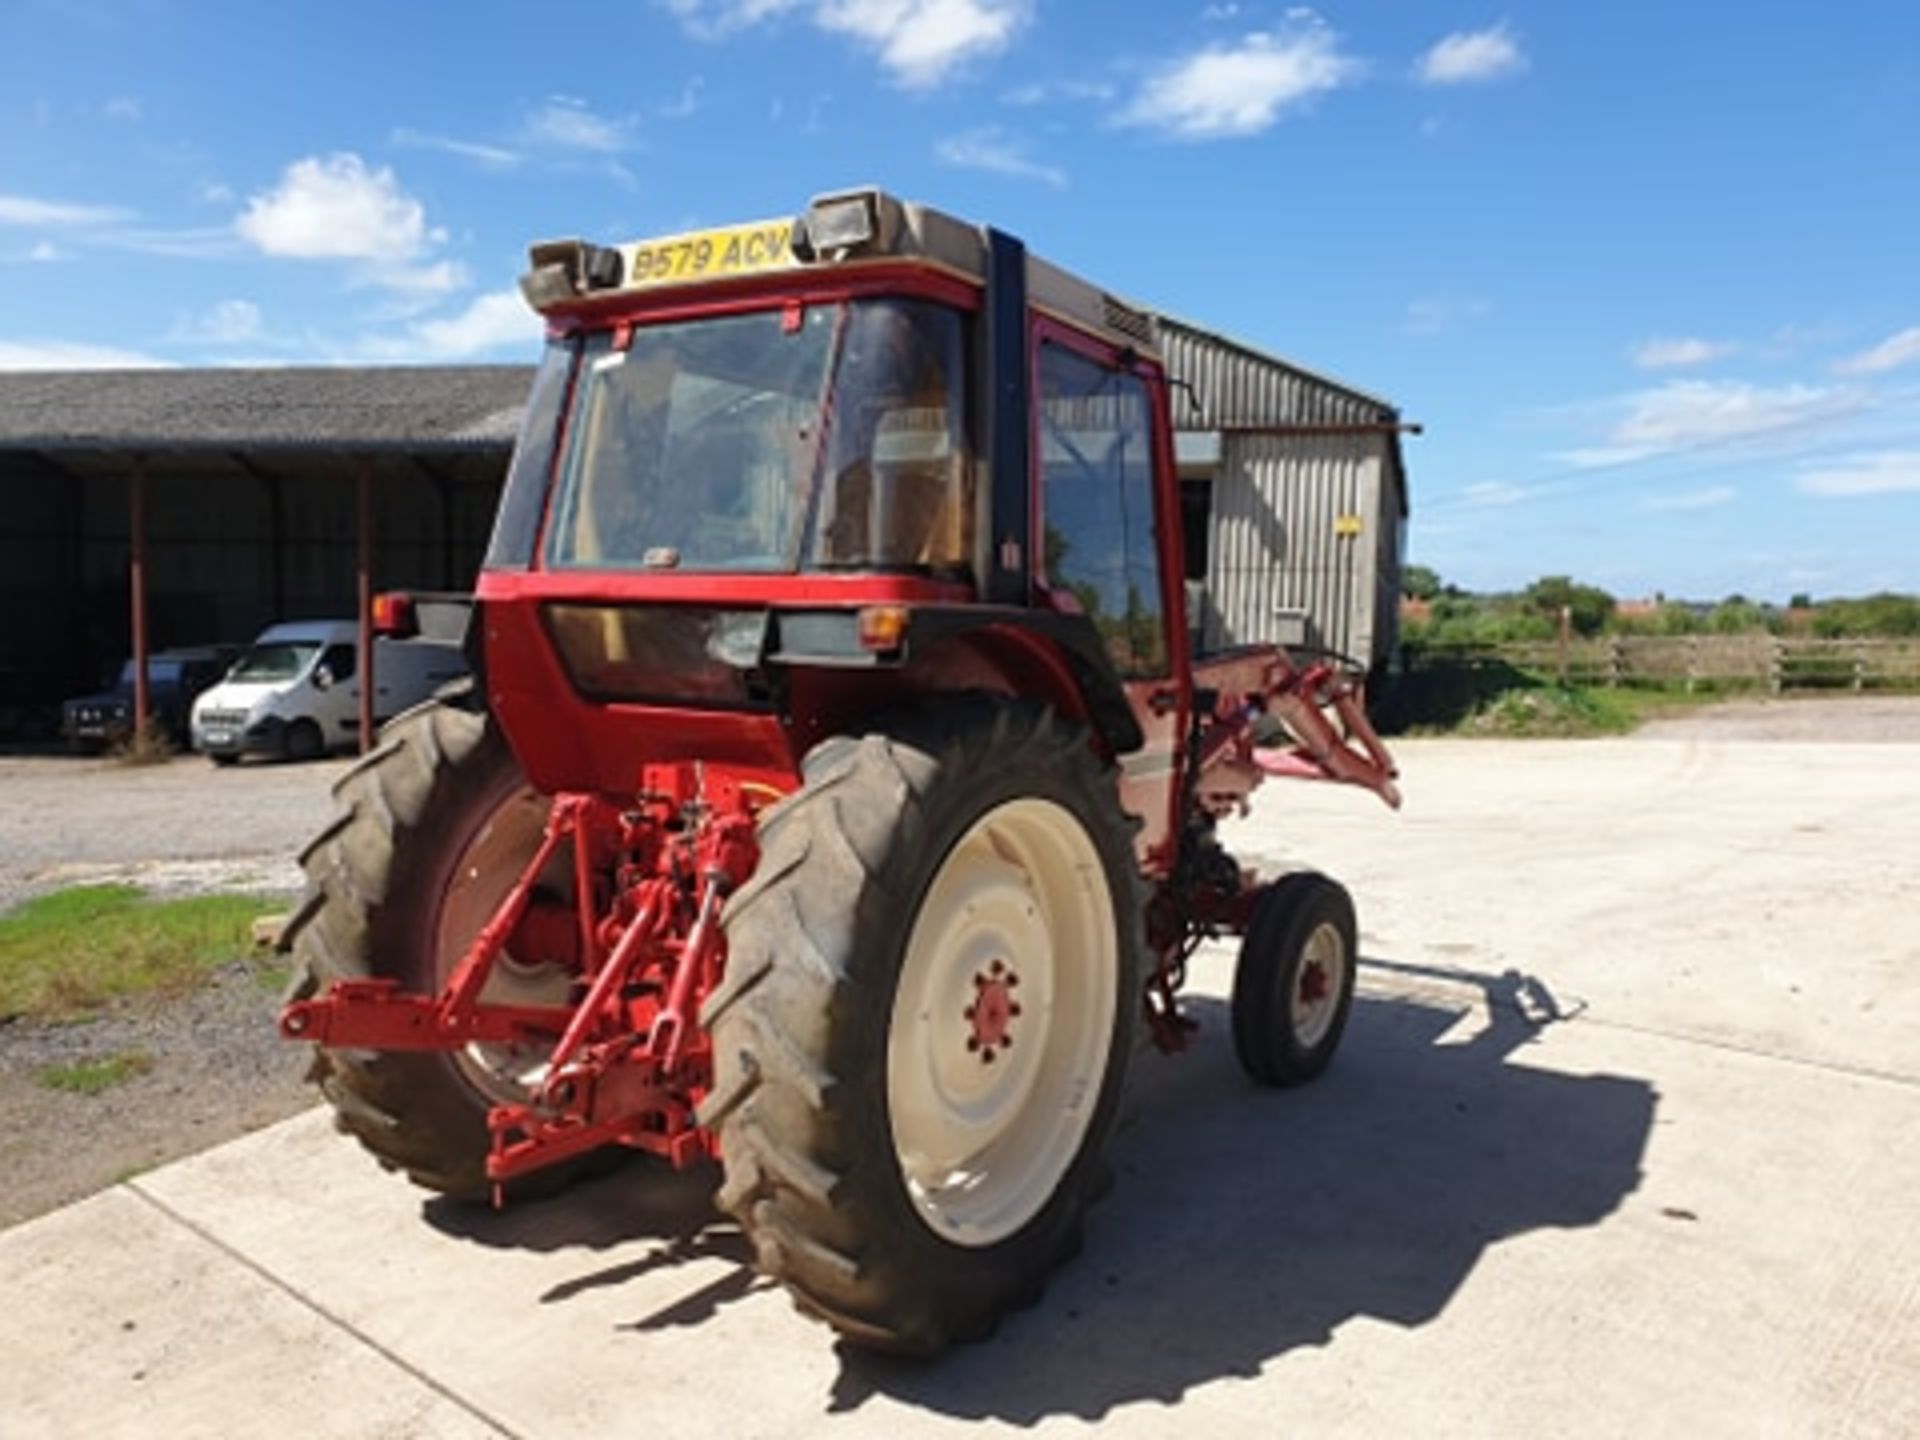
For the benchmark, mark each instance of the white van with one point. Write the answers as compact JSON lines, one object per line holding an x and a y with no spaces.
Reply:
{"x":296,"y":692}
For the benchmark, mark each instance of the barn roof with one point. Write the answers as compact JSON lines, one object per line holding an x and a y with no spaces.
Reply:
{"x":414,"y":408}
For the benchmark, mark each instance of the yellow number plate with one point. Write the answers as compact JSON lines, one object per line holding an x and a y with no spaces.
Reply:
{"x":711,"y":254}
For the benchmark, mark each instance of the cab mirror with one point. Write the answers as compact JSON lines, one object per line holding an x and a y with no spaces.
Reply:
{"x":322,"y":678}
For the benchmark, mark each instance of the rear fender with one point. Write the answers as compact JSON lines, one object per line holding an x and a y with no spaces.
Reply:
{"x":1056,"y":659}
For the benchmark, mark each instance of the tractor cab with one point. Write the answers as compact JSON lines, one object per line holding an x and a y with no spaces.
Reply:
{"x":873,"y":439}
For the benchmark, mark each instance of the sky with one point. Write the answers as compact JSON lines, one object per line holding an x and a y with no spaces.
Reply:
{"x":1647,"y":273}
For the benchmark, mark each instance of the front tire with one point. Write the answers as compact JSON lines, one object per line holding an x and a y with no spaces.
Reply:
{"x":1293,"y":984}
{"x":920,"y":1041}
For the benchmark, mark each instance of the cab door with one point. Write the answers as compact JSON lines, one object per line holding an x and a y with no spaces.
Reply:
{"x":1101,"y":462}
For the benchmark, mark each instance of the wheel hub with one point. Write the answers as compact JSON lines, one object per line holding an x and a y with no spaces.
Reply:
{"x":992,"y":1013}
{"x":1315,"y":999}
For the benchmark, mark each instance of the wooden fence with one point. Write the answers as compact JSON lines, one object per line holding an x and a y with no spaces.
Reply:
{"x":1733,"y":662}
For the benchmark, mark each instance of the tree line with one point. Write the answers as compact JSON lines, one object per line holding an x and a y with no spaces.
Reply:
{"x":1442,"y":614}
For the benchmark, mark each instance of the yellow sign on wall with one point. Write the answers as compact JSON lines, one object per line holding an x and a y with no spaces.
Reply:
{"x":1346,"y":526}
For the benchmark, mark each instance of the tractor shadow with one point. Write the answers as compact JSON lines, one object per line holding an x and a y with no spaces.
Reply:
{"x":637,"y":1196}
{"x":1247,"y":1223}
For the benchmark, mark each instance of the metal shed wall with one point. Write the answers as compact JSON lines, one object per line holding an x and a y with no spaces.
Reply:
{"x":1311,"y":523}
{"x":1282,"y":538}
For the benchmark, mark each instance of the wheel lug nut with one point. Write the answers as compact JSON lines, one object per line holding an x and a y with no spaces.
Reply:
{"x":987,"y":1055}
{"x":973,"y":1043}
{"x":1013,"y":1008}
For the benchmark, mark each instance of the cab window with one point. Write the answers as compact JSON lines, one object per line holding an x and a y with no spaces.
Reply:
{"x":1096,"y":477}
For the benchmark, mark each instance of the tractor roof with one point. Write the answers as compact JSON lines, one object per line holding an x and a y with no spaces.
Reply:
{"x":842,"y":228}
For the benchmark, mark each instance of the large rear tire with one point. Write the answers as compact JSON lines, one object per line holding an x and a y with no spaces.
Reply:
{"x":433,"y":826}
{"x":920,"y":1041}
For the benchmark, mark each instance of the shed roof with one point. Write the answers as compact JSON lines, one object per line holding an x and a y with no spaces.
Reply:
{"x":418,"y":408}
{"x":1217,"y":357}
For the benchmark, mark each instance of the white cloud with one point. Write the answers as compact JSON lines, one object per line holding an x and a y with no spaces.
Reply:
{"x":45,"y":252}
{"x":122,"y":107}
{"x":1674,"y":353}
{"x":1041,"y":92}
{"x":1690,"y":499}
{"x":1437,"y":314}
{"x":492,"y":157}
{"x":1471,"y":57}
{"x":72,"y":355}
{"x":565,"y":122}
{"x":1690,"y":414}
{"x":1495,"y":492}
{"x":922,"y":41}
{"x":335,"y":208}
{"x":1243,"y":89}
{"x":687,"y":103}
{"x":1886,"y":472}
{"x":712,"y":19}
{"x":206,"y":242}
{"x":226,"y":322}
{"x":496,"y":321}
{"x":991,"y":149}
{"x":1891,"y":353}
{"x":417,"y":285}
{"x":26,"y":210}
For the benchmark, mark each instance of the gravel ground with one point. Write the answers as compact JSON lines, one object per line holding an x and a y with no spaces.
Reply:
{"x":181,"y":827}
{"x":218,"y":1068}
{"x":1853,"y":719}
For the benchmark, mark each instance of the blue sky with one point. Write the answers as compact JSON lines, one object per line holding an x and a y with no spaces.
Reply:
{"x":1646,"y":271}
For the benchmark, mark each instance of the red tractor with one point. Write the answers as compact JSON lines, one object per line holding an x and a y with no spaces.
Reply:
{"x":836,"y":792}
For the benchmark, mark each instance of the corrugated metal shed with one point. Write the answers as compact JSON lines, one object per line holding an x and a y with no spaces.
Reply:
{"x":1307,"y":503}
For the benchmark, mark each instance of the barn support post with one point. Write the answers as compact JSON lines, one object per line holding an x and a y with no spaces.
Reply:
{"x":363,"y":486}
{"x":137,"y":588}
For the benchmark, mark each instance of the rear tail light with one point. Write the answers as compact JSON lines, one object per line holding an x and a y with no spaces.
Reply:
{"x":393,"y":615}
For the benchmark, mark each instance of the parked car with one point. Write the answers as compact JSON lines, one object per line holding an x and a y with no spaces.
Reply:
{"x":174,"y":679}
{"x":296,"y":692}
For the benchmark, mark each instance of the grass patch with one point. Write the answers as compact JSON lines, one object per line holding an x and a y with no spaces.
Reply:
{"x":1564,"y":712}
{"x":69,"y":952}
{"x":1553,"y":711}
{"x":1496,"y":699}
{"x":91,"y":1077}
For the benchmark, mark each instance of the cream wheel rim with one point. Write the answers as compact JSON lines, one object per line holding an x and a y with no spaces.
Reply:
{"x":1003,"y":1022}
{"x":491,"y":862}
{"x":1317,"y":985}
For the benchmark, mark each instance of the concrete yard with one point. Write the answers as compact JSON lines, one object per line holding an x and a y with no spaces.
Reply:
{"x":1625,"y":1139}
